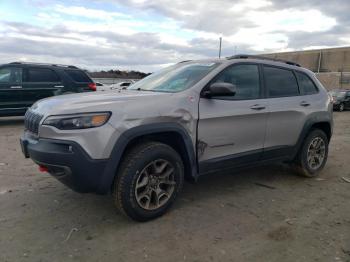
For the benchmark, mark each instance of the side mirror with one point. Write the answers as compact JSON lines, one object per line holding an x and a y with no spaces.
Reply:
{"x":220,"y":89}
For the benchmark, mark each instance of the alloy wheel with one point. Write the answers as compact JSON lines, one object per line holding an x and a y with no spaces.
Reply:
{"x":155,"y":184}
{"x":316,"y":153}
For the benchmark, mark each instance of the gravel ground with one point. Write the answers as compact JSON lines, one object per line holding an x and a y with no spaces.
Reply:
{"x":224,"y":217}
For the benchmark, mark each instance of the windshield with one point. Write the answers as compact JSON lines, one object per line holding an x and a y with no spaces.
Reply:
{"x":175,"y":78}
{"x":338,"y":94}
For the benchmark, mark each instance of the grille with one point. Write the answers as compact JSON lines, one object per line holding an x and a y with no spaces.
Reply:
{"x":32,"y":121}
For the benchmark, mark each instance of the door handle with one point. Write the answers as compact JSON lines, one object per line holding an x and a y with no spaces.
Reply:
{"x":304,"y":103}
{"x":16,"y":87}
{"x":258,"y":107}
{"x":58,"y":86}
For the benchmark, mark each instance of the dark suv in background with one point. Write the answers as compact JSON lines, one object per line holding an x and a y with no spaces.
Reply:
{"x":341,"y":99}
{"x":22,"y":84}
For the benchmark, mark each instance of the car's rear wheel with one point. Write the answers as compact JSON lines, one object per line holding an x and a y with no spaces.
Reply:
{"x":149,"y":180}
{"x":313,"y":154}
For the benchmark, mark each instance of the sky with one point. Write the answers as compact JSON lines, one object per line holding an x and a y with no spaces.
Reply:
{"x":147,"y":35}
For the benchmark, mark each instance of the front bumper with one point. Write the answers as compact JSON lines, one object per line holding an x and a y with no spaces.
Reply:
{"x":67,"y":161}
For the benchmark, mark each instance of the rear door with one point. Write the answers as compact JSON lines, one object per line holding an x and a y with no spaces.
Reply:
{"x":11,"y":89}
{"x":286,"y":111}
{"x":231,"y":130}
{"x":39,"y":83}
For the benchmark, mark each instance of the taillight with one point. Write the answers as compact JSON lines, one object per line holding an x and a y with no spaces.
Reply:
{"x":43,"y":168}
{"x":92,"y":86}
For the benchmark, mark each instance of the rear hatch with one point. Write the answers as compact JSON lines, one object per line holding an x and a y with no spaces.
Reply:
{"x":81,"y":79}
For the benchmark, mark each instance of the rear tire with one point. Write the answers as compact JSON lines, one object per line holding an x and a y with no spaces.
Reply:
{"x":149,"y":179}
{"x":313,"y":154}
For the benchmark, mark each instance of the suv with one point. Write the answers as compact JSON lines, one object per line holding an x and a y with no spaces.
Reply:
{"x":190,"y":119}
{"x":341,"y":99}
{"x":22,"y":84}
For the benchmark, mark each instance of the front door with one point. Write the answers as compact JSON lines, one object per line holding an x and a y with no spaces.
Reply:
{"x":11,"y":91}
{"x":231,"y":130}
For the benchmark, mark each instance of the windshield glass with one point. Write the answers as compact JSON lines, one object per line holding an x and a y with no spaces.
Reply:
{"x":175,"y":78}
{"x":338,"y":94}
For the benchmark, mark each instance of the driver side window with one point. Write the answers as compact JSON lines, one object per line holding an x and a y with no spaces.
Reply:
{"x":246,"y":79}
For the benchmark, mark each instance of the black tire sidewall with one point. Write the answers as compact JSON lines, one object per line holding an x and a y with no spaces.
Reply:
{"x":128,"y":198}
{"x":303,"y":156}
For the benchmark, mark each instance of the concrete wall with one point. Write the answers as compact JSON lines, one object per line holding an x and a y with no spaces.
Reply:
{"x":335,"y":80}
{"x":329,"y":80}
{"x":324,"y":60}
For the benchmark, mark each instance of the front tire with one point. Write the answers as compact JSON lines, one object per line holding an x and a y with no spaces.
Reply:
{"x":149,"y":179}
{"x":341,"y":107}
{"x":313,"y":154}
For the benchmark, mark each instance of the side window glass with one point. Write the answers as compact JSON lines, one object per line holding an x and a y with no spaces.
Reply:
{"x":41,"y":75}
{"x":280,"y":82}
{"x":307,"y":86}
{"x":16,"y":75}
{"x":11,"y":75}
{"x":245,"y":78}
{"x":5,"y":75}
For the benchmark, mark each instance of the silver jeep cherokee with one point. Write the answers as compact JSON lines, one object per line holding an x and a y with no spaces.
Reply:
{"x":190,"y":119}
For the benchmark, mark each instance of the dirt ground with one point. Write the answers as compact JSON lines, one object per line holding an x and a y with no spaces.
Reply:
{"x":259,"y":214}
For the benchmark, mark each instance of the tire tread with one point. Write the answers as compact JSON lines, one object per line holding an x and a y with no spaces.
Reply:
{"x":132,"y":156}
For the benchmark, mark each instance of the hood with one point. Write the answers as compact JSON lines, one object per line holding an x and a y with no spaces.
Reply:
{"x":90,"y":102}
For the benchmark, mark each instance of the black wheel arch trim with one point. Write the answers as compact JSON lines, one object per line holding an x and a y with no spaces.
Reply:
{"x":314,"y":119}
{"x":149,"y":129}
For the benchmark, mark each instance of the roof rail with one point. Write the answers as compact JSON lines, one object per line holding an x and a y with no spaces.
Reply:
{"x":47,"y":64}
{"x":263,"y":58}
{"x":184,"y":61}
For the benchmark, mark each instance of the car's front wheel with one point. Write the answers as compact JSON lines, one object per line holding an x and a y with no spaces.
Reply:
{"x":313,"y":154}
{"x":341,"y":107}
{"x":149,"y":179}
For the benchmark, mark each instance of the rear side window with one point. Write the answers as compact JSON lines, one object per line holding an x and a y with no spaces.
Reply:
{"x":78,"y":76}
{"x":307,"y":86}
{"x":10,"y":75}
{"x":41,"y":75}
{"x":280,"y":82}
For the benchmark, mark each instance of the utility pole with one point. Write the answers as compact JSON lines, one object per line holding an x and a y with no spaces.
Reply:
{"x":319,"y":61}
{"x":220,"y":47}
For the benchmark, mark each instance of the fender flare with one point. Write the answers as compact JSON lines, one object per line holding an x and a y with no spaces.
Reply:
{"x":315,"y":118}
{"x":110,"y":170}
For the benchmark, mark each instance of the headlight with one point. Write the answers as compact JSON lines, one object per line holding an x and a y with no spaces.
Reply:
{"x":79,"y":121}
